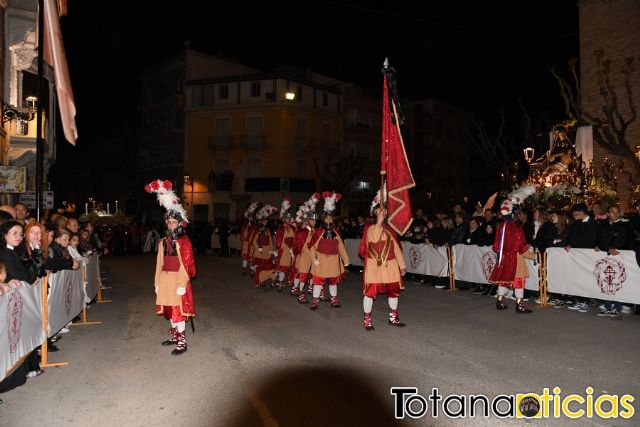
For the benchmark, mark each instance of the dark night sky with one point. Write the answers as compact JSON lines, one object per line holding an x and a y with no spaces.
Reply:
{"x":479,"y":56}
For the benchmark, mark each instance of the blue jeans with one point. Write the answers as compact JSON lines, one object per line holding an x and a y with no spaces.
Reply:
{"x":610,"y":305}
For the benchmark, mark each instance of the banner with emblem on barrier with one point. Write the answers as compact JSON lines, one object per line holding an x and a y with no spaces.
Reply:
{"x":591,"y":274}
{"x":352,"y":246}
{"x":93,"y":276}
{"x":66,"y":298}
{"x":476,"y":263}
{"x":20,"y":325}
{"x":426,"y":259}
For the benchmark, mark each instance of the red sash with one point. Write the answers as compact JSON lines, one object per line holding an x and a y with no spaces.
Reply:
{"x":263,"y":240}
{"x":170,"y":263}
{"x":328,"y":246}
{"x":289,"y":241}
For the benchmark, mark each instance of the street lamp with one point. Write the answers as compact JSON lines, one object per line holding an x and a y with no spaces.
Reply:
{"x":188,"y":180}
{"x":290,"y":96}
{"x":529,"y":154}
{"x":10,"y":113}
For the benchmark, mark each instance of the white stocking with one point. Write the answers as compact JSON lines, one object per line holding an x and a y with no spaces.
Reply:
{"x":296,"y":282}
{"x":316,"y":291}
{"x":244,"y":263}
{"x":301,"y":285}
{"x":180,"y":326}
{"x":367,"y":303}
{"x":519,"y":293}
{"x":333,"y":290}
{"x":173,"y":324}
{"x":281,"y":276}
{"x":393,"y":303}
{"x":502,"y":290}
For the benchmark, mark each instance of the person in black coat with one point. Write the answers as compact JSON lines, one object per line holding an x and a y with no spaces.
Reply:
{"x":475,"y":234}
{"x":528,"y":227}
{"x":11,"y":235}
{"x":614,"y":234}
{"x":59,"y":257}
{"x":583,"y":234}
{"x":544,"y":232}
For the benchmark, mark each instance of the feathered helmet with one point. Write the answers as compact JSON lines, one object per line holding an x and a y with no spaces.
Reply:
{"x":284,"y":208}
{"x":168,"y":200}
{"x":251,"y":209}
{"x":516,"y":198}
{"x":266,"y":212}
{"x":308,"y":208}
{"x":330,"y":200}
{"x":375,"y":204}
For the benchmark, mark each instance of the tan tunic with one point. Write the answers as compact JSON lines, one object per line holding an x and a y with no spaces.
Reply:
{"x":263,"y":258}
{"x":330,"y":266}
{"x":168,"y":282}
{"x":285,"y":257}
{"x":389,"y":271}
{"x":303,"y":262}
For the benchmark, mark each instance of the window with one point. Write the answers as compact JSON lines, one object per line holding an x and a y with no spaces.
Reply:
{"x":327,"y":132}
{"x":208,"y":92}
{"x":300,"y":168}
{"x":299,"y":93}
{"x":196,"y":96}
{"x":223,"y":91}
{"x":255,"y":126}
{"x":363,"y":186}
{"x":325,"y":99}
{"x":256,"y":89}
{"x":254,"y":168}
{"x":221,"y":166}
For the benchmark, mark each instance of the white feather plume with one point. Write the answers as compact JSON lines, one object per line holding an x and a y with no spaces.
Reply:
{"x":167,"y":198}
{"x":251,"y":209}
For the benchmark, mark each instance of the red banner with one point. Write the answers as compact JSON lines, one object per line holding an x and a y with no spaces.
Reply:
{"x":395,"y":166}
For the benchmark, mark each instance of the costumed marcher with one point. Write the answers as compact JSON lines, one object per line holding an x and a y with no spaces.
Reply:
{"x":328,"y":253}
{"x":175,"y":267}
{"x":306,"y":217}
{"x":384,"y":264}
{"x":248,"y":228}
{"x":511,"y":269}
{"x":284,"y":245}
{"x":262,"y":248}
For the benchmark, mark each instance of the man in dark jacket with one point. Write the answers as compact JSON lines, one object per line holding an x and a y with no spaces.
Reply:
{"x":615,"y":234}
{"x":583,"y":234}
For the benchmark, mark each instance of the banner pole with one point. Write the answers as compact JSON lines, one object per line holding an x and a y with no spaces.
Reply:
{"x":452,"y":274}
{"x":84,"y":306}
{"x":44,"y":352}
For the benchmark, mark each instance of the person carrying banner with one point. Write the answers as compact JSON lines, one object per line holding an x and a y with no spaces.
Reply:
{"x":328,"y":254}
{"x":175,"y":268}
{"x":511,"y":270}
{"x":248,"y":228}
{"x":384,"y":265}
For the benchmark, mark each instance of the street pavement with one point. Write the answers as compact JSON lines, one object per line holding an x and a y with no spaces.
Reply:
{"x":258,"y":358}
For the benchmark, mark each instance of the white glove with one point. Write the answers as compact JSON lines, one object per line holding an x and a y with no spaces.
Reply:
{"x":316,"y":262}
{"x":156,"y":289}
{"x":181,"y":291}
{"x":259,"y":249}
{"x":275,"y":253}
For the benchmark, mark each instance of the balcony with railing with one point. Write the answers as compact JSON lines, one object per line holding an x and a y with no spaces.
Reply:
{"x":220,"y":143}
{"x":253,"y":142}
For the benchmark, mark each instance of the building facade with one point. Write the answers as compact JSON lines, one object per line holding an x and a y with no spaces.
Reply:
{"x":613,"y":27}
{"x":19,"y":67}
{"x":257,"y":137}
{"x":439,"y":152}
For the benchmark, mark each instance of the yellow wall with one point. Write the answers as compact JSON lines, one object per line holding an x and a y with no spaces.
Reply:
{"x":280,"y":130}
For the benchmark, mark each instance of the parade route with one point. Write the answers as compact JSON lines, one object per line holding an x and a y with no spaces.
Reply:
{"x":258,"y":358}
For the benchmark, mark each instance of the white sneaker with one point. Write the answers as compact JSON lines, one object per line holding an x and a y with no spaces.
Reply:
{"x":575,"y":306}
{"x":64,"y":330}
{"x":626,"y":310}
{"x":601,"y":307}
{"x":439,"y":286}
